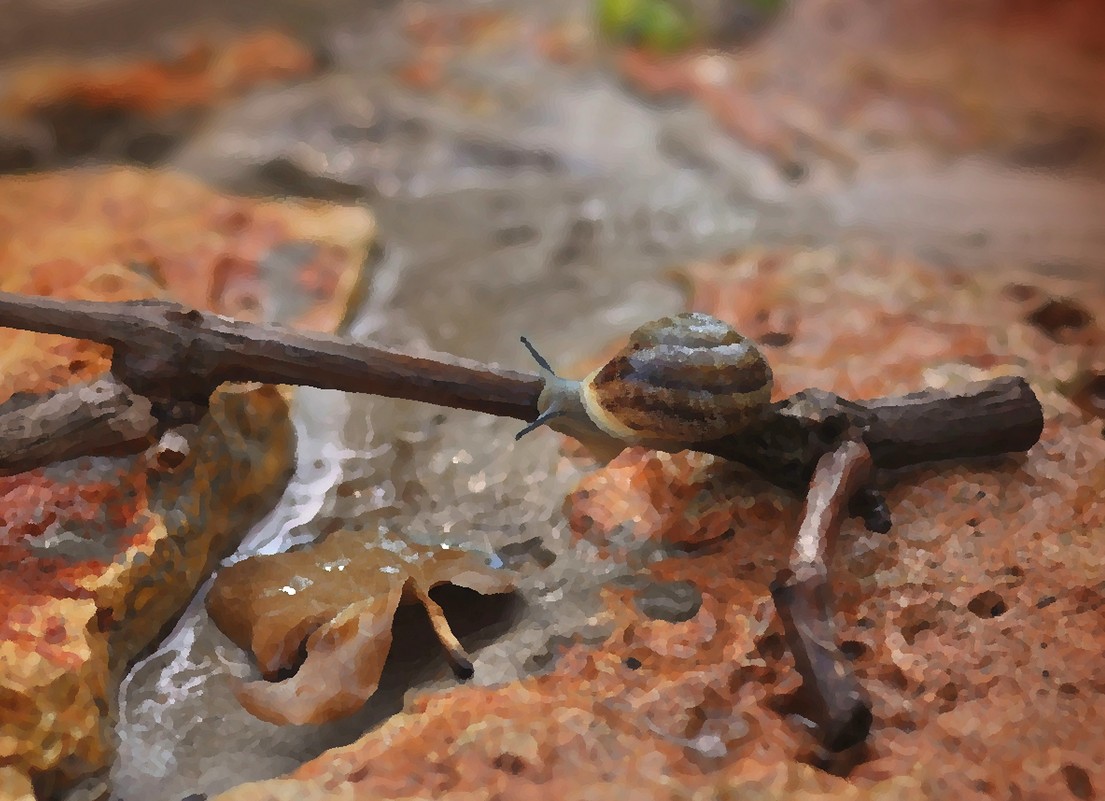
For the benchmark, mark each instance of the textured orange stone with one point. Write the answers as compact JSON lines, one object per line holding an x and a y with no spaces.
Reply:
{"x":976,"y":624}
{"x":205,"y":71}
{"x":97,"y":555}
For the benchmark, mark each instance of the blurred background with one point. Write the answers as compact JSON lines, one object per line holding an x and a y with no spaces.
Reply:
{"x":968,"y":133}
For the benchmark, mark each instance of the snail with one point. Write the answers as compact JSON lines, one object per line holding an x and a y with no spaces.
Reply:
{"x":678,"y":381}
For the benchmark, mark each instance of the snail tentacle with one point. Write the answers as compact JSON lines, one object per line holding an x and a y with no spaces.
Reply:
{"x":537,"y":357}
{"x":542,"y":418}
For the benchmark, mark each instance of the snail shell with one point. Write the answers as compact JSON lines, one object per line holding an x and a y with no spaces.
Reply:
{"x":689,"y":378}
{"x":679,"y":380}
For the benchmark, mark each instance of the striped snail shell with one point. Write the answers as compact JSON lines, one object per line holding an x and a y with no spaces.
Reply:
{"x":679,"y":380}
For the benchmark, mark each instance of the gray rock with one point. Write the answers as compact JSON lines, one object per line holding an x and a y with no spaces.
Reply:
{"x":673,"y":601}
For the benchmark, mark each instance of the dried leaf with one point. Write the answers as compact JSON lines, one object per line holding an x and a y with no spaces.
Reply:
{"x":339,"y":596}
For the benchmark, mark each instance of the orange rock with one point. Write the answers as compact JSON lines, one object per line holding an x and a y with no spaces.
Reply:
{"x":97,"y":555}
{"x":204,"y":72}
{"x":976,"y":624}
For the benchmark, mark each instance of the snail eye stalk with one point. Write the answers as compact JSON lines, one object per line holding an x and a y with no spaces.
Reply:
{"x":545,"y":417}
{"x":537,"y":357}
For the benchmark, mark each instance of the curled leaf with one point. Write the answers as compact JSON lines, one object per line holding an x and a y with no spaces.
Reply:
{"x":337,"y":598}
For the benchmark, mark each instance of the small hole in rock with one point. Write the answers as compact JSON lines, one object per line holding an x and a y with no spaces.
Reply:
{"x":988,"y":604}
{"x":794,"y":172}
{"x":949,"y":692}
{"x":772,"y":647}
{"x":1056,"y":316}
{"x":910,"y":632}
{"x":1078,"y":782}
{"x":516,"y":235}
{"x":776,"y":339}
{"x":852,"y":649}
{"x":509,"y":763}
{"x":1022,"y":292}
{"x":1088,"y":394}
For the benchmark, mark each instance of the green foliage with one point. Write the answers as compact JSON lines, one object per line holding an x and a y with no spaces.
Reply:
{"x":655,"y":24}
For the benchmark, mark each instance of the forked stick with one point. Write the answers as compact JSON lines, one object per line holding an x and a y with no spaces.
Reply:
{"x":837,"y":704}
{"x":174,"y":357}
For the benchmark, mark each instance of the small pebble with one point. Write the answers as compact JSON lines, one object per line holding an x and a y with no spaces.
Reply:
{"x":673,"y":601}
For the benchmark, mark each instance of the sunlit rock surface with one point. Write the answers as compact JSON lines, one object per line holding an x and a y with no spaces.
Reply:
{"x":99,"y":554}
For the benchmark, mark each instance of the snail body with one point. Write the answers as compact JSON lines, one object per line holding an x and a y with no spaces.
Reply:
{"x":679,"y":380}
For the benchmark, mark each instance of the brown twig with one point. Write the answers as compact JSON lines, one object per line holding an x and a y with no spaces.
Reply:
{"x":836,"y":704}
{"x":102,"y":416}
{"x":175,"y":357}
{"x":169,"y":352}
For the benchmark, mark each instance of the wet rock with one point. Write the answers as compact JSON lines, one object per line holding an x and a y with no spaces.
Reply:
{"x":100,"y":553}
{"x":674,"y":601}
{"x":1045,"y":125}
{"x":141,"y":108}
{"x":532,"y":549}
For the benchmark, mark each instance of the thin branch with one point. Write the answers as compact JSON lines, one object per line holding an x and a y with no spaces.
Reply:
{"x":835,"y":701}
{"x":102,"y":416}
{"x":166,"y":350}
{"x":176,"y":357}
{"x":986,"y":418}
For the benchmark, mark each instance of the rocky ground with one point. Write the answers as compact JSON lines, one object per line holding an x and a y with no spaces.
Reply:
{"x":912,"y":200}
